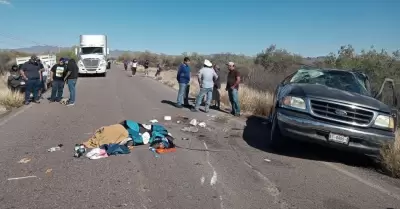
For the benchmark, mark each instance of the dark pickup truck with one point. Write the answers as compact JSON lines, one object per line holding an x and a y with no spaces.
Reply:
{"x":334,"y":108}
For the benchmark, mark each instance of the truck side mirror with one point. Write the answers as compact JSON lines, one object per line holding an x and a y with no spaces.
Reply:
{"x":379,"y":94}
{"x":76,"y":51}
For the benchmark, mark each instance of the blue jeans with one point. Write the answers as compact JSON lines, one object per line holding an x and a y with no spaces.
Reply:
{"x":199,"y":98}
{"x":57,"y":90}
{"x":183,"y":94}
{"x":32,"y":85}
{"x":44,"y":84}
{"x":71,"y":87}
{"x":234,"y":99}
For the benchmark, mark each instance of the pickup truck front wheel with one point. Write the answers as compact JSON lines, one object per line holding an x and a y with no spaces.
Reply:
{"x":276,"y":140}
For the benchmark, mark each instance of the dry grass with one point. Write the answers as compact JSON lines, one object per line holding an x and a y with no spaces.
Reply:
{"x":251,"y":101}
{"x":391,"y":157}
{"x":8,"y":98}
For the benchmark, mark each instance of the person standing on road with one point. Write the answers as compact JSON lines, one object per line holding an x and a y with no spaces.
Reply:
{"x":232,"y":86}
{"x":57,"y":75}
{"x":30,"y":71}
{"x":216,"y":96}
{"x":71,"y":78}
{"x":206,"y":77}
{"x":159,"y":69}
{"x":146,"y":68}
{"x":43,"y":71}
{"x":134,"y":66}
{"x":183,"y":78}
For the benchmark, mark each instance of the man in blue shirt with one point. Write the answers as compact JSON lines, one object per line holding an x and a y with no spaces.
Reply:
{"x":32,"y":75}
{"x":183,"y":77}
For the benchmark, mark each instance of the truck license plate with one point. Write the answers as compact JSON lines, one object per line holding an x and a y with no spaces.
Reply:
{"x":338,"y":138}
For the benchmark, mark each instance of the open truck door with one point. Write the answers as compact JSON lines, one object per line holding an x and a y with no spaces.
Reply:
{"x":394,"y":100}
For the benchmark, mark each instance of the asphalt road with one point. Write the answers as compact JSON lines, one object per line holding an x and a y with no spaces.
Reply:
{"x":238,"y":171}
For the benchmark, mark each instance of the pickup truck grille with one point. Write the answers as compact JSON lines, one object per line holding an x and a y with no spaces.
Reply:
{"x":341,"y":113}
{"x":91,"y":62}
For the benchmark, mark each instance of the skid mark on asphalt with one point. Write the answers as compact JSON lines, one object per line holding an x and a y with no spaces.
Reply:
{"x":271,"y":187}
{"x":213,"y":180}
{"x":214,"y":176}
{"x":366,"y":182}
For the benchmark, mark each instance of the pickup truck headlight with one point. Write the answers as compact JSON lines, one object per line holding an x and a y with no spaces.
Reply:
{"x":384,"y":121}
{"x":295,"y":102}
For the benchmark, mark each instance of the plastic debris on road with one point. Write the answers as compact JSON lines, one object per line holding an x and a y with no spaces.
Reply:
{"x":153,"y":150}
{"x":267,"y":160}
{"x":202,"y":124}
{"x":153,"y":121}
{"x":193,"y":122}
{"x":190,"y":129}
{"x":18,"y":178}
{"x":48,"y":171}
{"x":24,"y":160}
{"x":167,"y":117}
{"x":79,"y":150}
{"x":53,"y":149}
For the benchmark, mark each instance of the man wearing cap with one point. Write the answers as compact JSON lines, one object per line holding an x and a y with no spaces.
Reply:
{"x":206,"y":77}
{"x":183,"y":78}
{"x":57,"y":75}
{"x":30,"y":71}
{"x":232,"y":86}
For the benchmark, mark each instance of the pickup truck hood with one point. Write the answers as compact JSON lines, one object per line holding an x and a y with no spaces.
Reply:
{"x":96,"y":56}
{"x":324,"y":92}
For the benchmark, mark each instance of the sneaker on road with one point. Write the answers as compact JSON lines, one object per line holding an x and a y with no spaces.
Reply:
{"x":70,"y":104}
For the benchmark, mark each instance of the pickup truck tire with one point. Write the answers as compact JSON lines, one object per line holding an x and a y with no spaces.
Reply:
{"x":276,"y":140}
{"x":103,"y":74}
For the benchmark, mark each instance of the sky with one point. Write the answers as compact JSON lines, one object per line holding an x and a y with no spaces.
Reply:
{"x":306,"y":27}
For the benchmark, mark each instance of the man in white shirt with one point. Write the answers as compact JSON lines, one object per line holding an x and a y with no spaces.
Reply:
{"x":134,"y":66}
{"x":206,"y":77}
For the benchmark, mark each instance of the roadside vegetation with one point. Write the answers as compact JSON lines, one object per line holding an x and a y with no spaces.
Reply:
{"x":260,"y":75}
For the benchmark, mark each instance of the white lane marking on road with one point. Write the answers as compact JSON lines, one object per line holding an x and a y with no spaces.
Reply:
{"x":272,"y":189}
{"x":213,"y":180}
{"x":358,"y":178}
{"x":23,"y":109}
{"x":202,"y":179}
{"x":18,"y":178}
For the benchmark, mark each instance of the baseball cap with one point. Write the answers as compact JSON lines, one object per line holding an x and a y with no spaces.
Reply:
{"x":207,"y":63}
{"x":230,"y":63}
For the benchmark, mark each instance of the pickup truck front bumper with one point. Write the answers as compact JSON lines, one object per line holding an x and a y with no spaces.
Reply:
{"x":302,"y":126}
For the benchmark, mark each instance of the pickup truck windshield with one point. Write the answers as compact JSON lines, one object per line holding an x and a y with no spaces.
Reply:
{"x":342,"y":80}
{"x":92,"y":50}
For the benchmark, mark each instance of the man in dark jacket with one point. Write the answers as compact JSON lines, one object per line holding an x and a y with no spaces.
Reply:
{"x":71,"y":78}
{"x":146,"y":67}
{"x":183,"y":77}
{"x":30,"y":71}
{"x":57,"y":75}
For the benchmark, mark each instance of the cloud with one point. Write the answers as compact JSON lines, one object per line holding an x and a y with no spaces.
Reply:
{"x":6,"y":2}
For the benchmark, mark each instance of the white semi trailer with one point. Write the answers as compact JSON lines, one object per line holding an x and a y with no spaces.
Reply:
{"x":93,"y":54}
